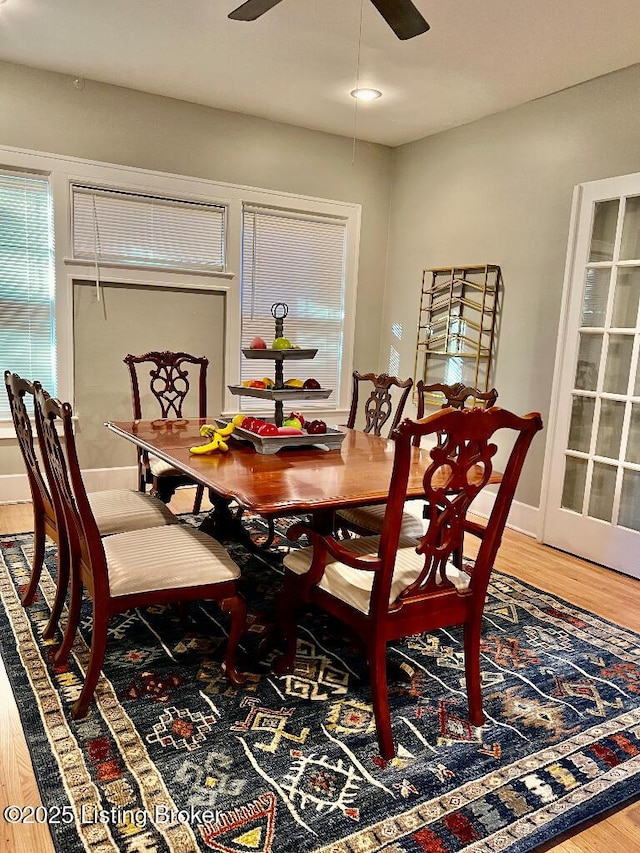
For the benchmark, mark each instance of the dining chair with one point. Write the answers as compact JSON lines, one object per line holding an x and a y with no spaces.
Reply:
{"x":115,"y":510}
{"x":141,"y":568}
{"x":379,"y":407}
{"x":169,"y":383}
{"x":384,"y":587}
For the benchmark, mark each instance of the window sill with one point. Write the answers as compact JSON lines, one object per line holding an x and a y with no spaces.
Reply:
{"x":103,"y":266}
{"x":8,"y":432}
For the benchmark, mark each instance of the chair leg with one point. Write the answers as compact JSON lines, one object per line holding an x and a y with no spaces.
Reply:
{"x":62,"y":585}
{"x":29,"y":594}
{"x":472,"y":632}
{"x":142,"y":477}
{"x":237,"y":609}
{"x":73,"y":619}
{"x":380,"y":695}
{"x":287,"y":607}
{"x":96,"y":659}
{"x":197,"y":502}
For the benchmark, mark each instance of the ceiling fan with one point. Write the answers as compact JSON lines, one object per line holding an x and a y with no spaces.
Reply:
{"x":401,"y":15}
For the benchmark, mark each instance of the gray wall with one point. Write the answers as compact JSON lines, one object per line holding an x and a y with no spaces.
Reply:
{"x":42,"y":111}
{"x":499,"y":190}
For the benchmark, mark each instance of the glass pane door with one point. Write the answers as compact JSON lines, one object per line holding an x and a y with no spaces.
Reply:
{"x":594,"y":494}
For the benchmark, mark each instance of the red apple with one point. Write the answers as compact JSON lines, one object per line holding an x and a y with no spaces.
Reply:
{"x":316,"y":427}
{"x":312,"y":384}
{"x":257,"y":343}
{"x":297,"y":415}
{"x":267,"y":429}
{"x":287,"y":430}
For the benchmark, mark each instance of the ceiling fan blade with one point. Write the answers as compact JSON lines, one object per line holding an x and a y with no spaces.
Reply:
{"x":252,"y":9}
{"x":403,"y":17}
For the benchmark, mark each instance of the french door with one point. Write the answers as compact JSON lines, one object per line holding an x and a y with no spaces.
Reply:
{"x":593,"y":500}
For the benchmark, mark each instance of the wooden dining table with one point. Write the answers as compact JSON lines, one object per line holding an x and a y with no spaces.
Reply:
{"x":295,"y":481}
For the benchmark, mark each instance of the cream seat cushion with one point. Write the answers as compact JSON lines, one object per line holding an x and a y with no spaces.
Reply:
{"x":120,"y":510}
{"x":371,"y":518}
{"x":354,"y":586}
{"x":165,"y":558}
{"x":160,"y":468}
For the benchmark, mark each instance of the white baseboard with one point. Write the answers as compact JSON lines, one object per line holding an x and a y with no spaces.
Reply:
{"x":15,"y":487}
{"x":523,"y":518}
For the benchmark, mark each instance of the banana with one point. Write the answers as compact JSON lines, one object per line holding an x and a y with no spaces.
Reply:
{"x":206,"y":448}
{"x":227,"y":430}
{"x":217,"y":436}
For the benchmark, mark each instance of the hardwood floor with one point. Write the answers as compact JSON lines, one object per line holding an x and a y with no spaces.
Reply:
{"x":611,"y":595}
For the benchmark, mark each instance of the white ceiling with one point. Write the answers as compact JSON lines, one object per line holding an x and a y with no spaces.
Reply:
{"x":298,"y":63}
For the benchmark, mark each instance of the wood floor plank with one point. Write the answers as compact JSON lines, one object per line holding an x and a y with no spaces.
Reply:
{"x":608,"y":594}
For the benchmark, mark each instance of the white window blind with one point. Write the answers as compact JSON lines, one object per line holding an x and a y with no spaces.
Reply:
{"x":130,"y":228}
{"x":27,"y":331}
{"x":299,"y":260}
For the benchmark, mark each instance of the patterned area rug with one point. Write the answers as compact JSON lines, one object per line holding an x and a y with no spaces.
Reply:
{"x":171,"y":759}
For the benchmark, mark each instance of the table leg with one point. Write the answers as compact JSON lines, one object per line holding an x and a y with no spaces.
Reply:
{"x":323,"y":521}
{"x":221,"y":523}
{"x":225,"y":525}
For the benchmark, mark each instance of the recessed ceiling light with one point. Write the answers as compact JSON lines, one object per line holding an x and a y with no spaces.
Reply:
{"x":366,"y":94}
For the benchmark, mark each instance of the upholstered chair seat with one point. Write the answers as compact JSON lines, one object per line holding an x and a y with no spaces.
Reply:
{"x":160,"y":468}
{"x":122,"y":510}
{"x":369,"y":518}
{"x":354,"y":586}
{"x":165,"y":558}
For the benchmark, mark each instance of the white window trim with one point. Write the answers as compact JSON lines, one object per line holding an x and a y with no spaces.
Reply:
{"x":63,"y":171}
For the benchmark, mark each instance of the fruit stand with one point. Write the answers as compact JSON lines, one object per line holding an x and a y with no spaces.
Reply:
{"x":278,"y":353}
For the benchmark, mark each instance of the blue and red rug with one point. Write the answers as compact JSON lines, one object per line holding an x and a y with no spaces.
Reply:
{"x":171,"y":759}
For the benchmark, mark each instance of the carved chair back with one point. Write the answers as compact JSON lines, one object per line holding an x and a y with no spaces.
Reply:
{"x":169,"y":381}
{"x":68,"y":491}
{"x":17,"y":389}
{"x":454,"y":395}
{"x":380,"y":404}
{"x":459,"y":469}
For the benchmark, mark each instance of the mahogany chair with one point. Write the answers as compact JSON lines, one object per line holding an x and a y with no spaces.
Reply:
{"x":169,"y":383}
{"x":116,"y":510}
{"x":384,"y":587}
{"x":379,"y":407}
{"x":175,"y":563}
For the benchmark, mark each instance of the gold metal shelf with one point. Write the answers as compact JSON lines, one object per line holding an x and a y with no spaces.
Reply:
{"x":457,"y":320}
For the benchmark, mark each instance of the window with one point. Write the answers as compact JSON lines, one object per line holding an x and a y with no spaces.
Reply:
{"x":27,"y":327}
{"x":299,"y":260}
{"x":129,"y":228}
